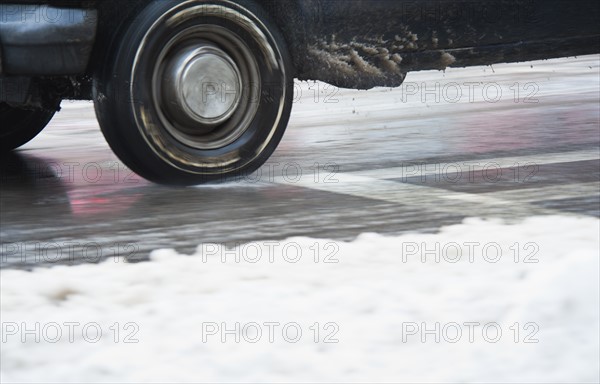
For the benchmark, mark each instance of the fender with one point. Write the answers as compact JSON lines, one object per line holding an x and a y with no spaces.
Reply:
{"x":367,"y":43}
{"x":348,"y":43}
{"x":46,"y":40}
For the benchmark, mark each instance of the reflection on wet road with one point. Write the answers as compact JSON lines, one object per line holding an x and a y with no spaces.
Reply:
{"x":512,"y":142}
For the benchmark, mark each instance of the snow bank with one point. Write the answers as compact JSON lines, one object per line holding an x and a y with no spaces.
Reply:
{"x":372,"y":307}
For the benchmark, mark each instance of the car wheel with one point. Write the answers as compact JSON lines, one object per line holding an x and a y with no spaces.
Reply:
{"x":196,"y":91}
{"x":20,"y":125}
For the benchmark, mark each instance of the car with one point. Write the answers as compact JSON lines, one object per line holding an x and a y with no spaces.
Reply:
{"x":195,"y":91}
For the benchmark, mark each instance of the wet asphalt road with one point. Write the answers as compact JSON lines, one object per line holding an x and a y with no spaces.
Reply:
{"x":511,"y":141}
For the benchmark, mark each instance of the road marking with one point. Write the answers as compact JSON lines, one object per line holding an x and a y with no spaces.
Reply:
{"x":423,"y":169}
{"x":373,"y":185}
{"x":554,"y":192}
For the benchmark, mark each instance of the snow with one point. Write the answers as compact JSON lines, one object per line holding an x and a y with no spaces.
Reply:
{"x":373,"y":296}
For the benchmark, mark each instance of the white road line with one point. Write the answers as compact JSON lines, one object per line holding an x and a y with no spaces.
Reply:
{"x":373,"y":185}
{"x":423,"y":197}
{"x":421,"y":169}
{"x":554,"y":192}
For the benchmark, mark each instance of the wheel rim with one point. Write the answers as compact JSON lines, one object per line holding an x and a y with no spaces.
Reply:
{"x":265,"y":98}
{"x":206,"y":86}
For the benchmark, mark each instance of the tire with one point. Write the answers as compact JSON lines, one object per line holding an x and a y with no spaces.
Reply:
{"x":195,"y":91}
{"x":19,"y":125}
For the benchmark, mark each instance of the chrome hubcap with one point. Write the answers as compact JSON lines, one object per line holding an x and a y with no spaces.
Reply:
{"x":202,"y":86}
{"x":206,"y":87}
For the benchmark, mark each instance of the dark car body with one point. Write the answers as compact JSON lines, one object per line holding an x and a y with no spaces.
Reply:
{"x":348,"y":43}
{"x":54,"y":50}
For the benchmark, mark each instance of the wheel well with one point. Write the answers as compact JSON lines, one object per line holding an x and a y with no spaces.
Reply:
{"x":290,"y":16}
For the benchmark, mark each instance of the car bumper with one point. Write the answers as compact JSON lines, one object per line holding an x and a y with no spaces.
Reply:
{"x":45,"y":40}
